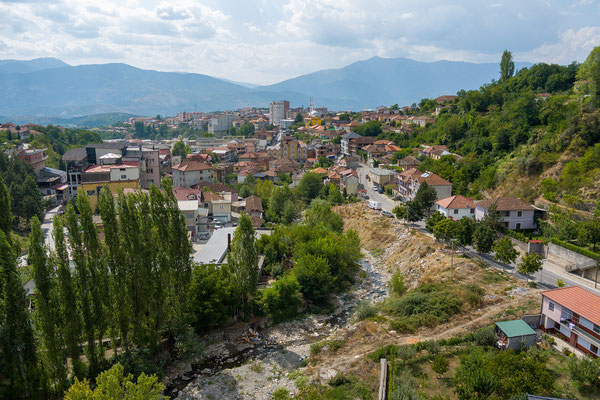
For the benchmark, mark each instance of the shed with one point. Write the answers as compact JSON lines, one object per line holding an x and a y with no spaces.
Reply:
{"x":514,"y":334}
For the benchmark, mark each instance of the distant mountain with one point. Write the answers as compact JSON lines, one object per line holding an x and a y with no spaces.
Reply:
{"x":244,"y":84}
{"x":386,"y":81}
{"x":87,"y":121}
{"x":25,"y":66}
{"x":49,"y":87}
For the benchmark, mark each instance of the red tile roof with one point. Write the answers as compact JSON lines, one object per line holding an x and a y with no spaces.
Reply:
{"x":506,"y":203}
{"x":191,"y":165}
{"x":456,"y":201}
{"x":578,"y":300}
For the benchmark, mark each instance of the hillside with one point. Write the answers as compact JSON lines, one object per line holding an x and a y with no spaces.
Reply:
{"x":51,"y":88}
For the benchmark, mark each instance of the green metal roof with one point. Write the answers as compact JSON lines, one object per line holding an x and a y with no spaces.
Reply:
{"x":515,"y":328}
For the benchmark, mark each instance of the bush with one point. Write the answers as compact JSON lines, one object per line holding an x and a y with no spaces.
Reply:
{"x":396,"y":284}
{"x":281,"y":394}
{"x":485,"y":336}
{"x":365,"y":310}
{"x":585,"y":371}
{"x":440,"y":365}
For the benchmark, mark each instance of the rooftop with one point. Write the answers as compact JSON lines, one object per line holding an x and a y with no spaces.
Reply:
{"x":456,"y":201}
{"x":578,"y":300}
{"x":515,"y":328}
{"x":505,"y":203}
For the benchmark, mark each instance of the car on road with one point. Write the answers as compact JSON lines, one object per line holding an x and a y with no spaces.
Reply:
{"x":386,"y":213}
{"x":375,"y":205}
{"x":375,"y":188}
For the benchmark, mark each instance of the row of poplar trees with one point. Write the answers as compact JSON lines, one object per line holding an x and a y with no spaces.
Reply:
{"x":131,"y":287}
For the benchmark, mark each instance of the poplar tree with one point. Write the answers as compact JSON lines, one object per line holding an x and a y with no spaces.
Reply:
{"x":18,"y":360}
{"x":96,"y":269}
{"x":69,"y":319}
{"x":5,"y":215}
{"x":243,"y":260}
{"x":83,"y":282}
{"x":46,"y":308}
{"x":116,"y":265}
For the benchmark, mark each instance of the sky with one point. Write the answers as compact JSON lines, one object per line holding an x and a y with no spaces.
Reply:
{"x":266,"y":41}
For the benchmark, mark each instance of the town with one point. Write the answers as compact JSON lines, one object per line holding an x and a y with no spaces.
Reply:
{"x":446,"y":249}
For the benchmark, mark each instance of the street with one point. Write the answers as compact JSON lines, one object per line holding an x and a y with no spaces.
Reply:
{"x":387,"y":204}
{"x":47,"y":227}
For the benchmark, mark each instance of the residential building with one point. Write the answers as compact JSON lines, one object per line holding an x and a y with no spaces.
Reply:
{"x":381,"y":176}
{"x":456,"y":207}
{"x":220,"y":124}
{"x":115,"y":176}
{"x":278,"y":111}
{"x":409,"y":182}
{"x":286,"y":123}
{"x":52,"y":182}
{"x":191,"y":172}
{"x":289,"y":147}
{"x":515,"y":213}
{"x":76,"y":161}
{"x":573,"y":313}
{"x":34,"y":157}
{"x":254,"y":206}
{"x":349,"y":180}
{"x":345,"y":142}
{"x":358,"y":143}
{"x":408,"y":162}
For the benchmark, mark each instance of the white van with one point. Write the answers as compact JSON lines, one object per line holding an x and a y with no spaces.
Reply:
{"x":375,"y":205}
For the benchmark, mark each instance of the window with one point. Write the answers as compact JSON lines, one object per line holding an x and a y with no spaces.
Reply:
{"x":519,"y":213}
{"x":518,"y":225}
{"x":456,"y":211}
{"x":122,"y":169}
{"x":91,"y":192}
{"x":596,"y":328}
{"x":123,"y":176}
{"x":594,"y":349}
{"x":472,"y":211}
{"x":557,"y":326}
{"x":551,"y":306}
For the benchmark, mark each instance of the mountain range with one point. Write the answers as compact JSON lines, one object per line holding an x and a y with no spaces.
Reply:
{"x":48,"y":87}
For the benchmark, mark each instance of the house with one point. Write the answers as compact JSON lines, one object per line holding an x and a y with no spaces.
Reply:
{"x":358,"y":143}
{"x":349,"y":180}
{"x":34,"y":157}
{"x":427,"y":151}
{"x":381,"y":176}
{"x":514,"y":335}
{"x":254,"y":206}
{"x":189,"y":209}
{"x":289,"y":147}
{"x":190,"y":172}
{"x":515,"y":213}
{"x":573,"y":313}
{"x":408,"y":162}
{"x":409,"y":182}
{"x":456,"y":207}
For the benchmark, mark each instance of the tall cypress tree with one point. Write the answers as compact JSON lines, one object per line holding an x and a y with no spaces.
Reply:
{"x":83,"y":282}
{"x":5,"y":215}
{"x":46,"y":312}
{"x":68,"y":319}
{"x":243,"y":260}
{"x":18,"y":359}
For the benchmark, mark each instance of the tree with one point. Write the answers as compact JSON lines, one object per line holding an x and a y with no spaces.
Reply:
{"x":5,"y":215}
{"x":314,"y":276}
{"x":310,"y":186}
{"x":46,"y":309}
{"x":483,"y":238}
{"x":282,"y":299}
{"x":399,"y":211}
{"x":181,"y":149}
{"x":444,"y":229}
{"x":440,"y":364}
{"x":585,"y":371}
{"x":298,"y":119}
{"x":463,"y":231}
{"x":243,"y":260}
{"x":319,"y":215}
{"x":19,"y":372}
{"x":212,"y":297}
{"x":507,"y":66}
{"x":590,"y":71}
{"x":414,"y":211}
{"x":590,"y":232}
{"x":69,"y":319}
{"x":426,"y":196}
{"x":505,"y":251}
{"x":433,"y":220}
{"x":530,"y":263}
{"x":290,"y":212}
{"x":113,"y":384}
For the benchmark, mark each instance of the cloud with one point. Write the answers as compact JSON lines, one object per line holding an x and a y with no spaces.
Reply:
{"x":574,"y":45}
{"x":172,"y":12}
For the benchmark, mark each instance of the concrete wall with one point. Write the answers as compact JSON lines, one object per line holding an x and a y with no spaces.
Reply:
{"x":567,"y":258}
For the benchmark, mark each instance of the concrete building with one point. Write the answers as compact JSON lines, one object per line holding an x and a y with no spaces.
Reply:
{"x":34,"y":157}
{"x":515,"y":335}
{"x":191,"y":172}
{"x":278,"y":111}
{"x":345,"y":142}
{"x":286,"y":123}
{"x":456,"y":207}
{"x":515,"y":213}
{"x":573,"y":314}
{"x":409,"y":182}
{"x":220,"y":125}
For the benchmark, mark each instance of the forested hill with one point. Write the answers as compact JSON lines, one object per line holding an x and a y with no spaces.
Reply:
{"x":533,"y":134}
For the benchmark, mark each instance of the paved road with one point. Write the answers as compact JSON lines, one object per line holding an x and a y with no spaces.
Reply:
{"x":47,"y":227}
{"x":387,"y":204}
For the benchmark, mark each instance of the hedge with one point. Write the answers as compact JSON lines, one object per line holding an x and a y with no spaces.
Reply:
{"x":576,"y":249}
{"x":518,"y":236}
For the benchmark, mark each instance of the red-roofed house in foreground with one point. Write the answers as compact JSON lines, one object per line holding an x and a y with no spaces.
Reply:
{"x":573,"y":313}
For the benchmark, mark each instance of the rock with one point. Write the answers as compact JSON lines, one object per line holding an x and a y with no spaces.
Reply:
{"x":205,"y":371}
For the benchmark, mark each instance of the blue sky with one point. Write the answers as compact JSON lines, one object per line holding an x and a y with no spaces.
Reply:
{"x":266,"y":41}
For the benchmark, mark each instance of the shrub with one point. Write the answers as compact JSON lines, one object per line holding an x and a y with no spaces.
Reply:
{"x":440,"y":365}
{"x":485,"y":336}
{"x":281,"y":394}
{"x":396,"y":284}
{"x":365,"y":310}
{"x":281,"y":301}
{"x":585,"y":371}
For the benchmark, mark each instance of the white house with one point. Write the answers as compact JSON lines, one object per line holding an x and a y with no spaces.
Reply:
{"x":515,"y":213}
{"x":191,"y":172}
{"x":456,"y":207}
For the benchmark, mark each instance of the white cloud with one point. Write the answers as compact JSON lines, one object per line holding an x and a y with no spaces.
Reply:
{"x":265,"y":41}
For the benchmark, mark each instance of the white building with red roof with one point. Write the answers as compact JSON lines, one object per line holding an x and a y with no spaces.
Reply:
{"x":456,"y":207}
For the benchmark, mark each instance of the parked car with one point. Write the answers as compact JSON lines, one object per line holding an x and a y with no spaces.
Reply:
{"x":375,"y":187}
{"x":375,"y":205}
{"x":386,"y":213}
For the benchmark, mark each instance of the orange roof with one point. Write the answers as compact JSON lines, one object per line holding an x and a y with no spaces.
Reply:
{"x":578,"y":300}
{"x":456,"y":201}
{"x":319,"y":170}
{"x":191,"y":165}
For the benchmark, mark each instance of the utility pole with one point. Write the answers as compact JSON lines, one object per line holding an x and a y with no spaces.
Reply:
{"x":452,"y":259}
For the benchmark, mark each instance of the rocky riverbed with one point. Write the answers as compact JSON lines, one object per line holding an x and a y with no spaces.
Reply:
{"x":251,"y":362}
